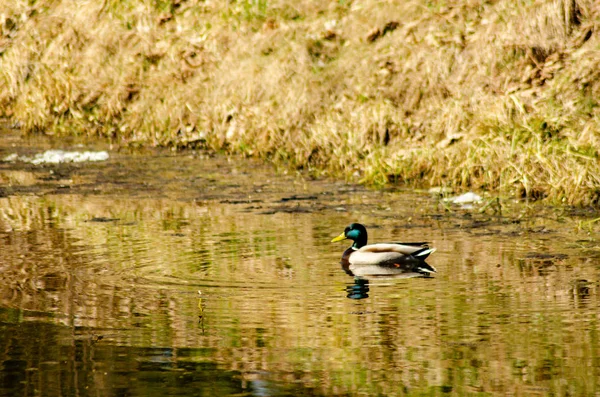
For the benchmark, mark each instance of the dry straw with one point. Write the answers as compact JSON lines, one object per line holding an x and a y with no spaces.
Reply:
{"x":496,"y":95}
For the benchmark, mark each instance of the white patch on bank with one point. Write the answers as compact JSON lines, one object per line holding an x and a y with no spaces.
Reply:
{"x":467,"y":198}
{"x":59,"y":156}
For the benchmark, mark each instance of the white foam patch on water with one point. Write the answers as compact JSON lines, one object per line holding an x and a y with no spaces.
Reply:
{"x":59,"y":156}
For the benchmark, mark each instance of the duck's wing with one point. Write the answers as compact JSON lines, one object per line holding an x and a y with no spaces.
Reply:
{"x":386,"y":252}
{"x":416,"y":244}
{"x":404,"y":249}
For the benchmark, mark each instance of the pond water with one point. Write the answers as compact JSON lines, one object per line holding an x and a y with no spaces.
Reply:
{"x":163,"y":273}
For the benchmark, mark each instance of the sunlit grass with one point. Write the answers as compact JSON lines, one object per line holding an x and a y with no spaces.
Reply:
{"x":472,"y":94}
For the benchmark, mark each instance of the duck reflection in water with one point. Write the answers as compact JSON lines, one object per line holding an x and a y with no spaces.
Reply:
{"x":389,"y":260}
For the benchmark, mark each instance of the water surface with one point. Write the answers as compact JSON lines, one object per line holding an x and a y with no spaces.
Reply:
{"x":163,"y":273}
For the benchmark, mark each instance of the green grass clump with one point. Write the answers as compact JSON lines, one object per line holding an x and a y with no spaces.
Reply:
{"x":496,"y":95}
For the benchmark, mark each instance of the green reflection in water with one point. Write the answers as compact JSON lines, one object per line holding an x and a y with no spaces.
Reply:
{"x":41,"y":358}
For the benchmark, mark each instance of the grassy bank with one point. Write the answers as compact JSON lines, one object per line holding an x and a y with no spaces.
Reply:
{"x":496,"y":95}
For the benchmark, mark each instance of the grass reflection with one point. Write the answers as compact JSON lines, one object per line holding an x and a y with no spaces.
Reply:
{"x":122,"y":297}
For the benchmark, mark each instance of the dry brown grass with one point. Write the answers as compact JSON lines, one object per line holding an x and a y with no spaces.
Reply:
{"x":494,"y":95}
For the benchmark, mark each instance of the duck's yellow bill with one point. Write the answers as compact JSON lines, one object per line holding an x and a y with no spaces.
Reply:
{"x":339,"y":238}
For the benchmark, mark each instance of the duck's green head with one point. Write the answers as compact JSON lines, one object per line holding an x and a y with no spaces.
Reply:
{"x":355,"y":232}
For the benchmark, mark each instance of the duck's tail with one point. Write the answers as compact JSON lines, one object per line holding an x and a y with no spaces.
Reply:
{"x":424,"y":253}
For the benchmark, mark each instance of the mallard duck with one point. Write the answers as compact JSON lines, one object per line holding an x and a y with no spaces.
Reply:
{"x":384,"y":259}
